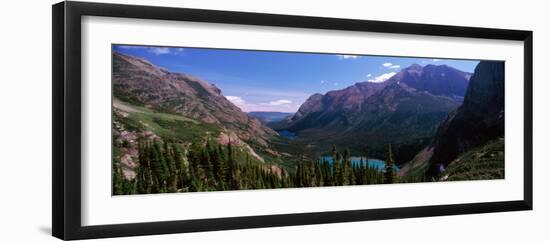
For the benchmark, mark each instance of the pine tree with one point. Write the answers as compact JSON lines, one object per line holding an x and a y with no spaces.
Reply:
{"x":172,"y":177}
{"x":116,"y":179}
{"x":327,"y":174}
{"x":389,"y":175}
{"x":206,"y":165}
{"x":156,"y":169}
{"x":143,"y":172}
{"x":182,"y":167}
{"x":232,"y":172}
{"x":346,"y":170}
{"x":361,"y":177}
{"x":196,"y":184}
{"x":351,"y":175}
{"x":246,"y":174}
{"x":336,"y":167}
{"x":310,"y":174}
{"x":217,"y":167}
{"x":319,"y":178}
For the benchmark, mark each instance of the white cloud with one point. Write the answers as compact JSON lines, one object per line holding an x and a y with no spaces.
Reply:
{"x":391,"y":66}
{"x":236,"y":100}
{"x":278,"y":102}
{"x":257,"y":99}
{"x":322,"y":81}
{"x":369,"y":75}
{"x":335,"y":84}
{"x":347,"y":56}
{"x":179,"y":51}
{"x":382,"y":78}
{"x":155,"y":50}
{"x":266,"y":93}
{"x":430,"y":61}
{"x":159,"y":51}
{"x":129,"y":47}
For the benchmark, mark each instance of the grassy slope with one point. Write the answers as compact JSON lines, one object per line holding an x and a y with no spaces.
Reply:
{"x":483,"y":163}
{"x":170,"y":127}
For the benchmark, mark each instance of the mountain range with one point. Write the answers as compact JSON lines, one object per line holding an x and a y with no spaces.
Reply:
{"x":404,"y":110}
{"x":267,"y":117}
{"x":430,"y":114}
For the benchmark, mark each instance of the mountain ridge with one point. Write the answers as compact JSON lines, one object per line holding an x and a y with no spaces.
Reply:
{"x":269,"y":116}
{"x":403,"y":105}
{"x":350,"y":99}
{"x":137,"y":80}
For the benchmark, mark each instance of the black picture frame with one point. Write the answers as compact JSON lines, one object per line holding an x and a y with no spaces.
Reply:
{"x":66,"y":141}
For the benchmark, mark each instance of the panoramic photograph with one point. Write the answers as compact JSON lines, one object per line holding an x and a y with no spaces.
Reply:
{"x":187,"y":119}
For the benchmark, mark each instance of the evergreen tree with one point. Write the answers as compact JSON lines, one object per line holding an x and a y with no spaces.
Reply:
{"x":318,"y":174}
{"x":206,"y":165}
{"x":217,"y":167}
{"x":182,"y":167}
{"x":351,"y":175}
{"x":327,"y":174}
{"x":389,"y":175}
{"x":362,"y":175}
{"x":143,"y":174}
{"x":232,"y":172}
{"x":346,"y":169}
{"x":336,"y":167}
{"x":172,"y":175}
{"x":116,"y":179}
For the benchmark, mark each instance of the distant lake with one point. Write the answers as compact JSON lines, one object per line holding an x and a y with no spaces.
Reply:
{"x":288,"y":134}
{"x":376,"y":163}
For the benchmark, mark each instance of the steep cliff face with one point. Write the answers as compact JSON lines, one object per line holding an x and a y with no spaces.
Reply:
{"x":137,"y":80}
{"x":479,"y":119}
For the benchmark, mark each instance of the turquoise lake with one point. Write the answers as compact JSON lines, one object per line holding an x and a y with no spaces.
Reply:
{"x":376,"y":163}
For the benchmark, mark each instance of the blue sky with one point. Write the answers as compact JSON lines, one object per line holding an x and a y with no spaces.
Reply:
{"x":278,"y":81}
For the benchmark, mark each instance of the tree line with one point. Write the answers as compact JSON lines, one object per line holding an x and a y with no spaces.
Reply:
{"x":164,"y":167}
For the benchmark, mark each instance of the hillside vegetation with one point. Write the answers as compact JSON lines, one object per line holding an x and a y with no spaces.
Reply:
{"x":483,"y":163}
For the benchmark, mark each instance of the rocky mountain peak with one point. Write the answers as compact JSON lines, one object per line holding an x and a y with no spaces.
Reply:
{"x":414,"y":67}
{"x":436,"y":79}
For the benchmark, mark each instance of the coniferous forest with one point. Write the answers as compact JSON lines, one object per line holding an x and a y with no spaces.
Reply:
{"x":165,"y":168}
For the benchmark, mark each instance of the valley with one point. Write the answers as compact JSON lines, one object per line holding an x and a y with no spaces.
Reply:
{"x":174,"y":132}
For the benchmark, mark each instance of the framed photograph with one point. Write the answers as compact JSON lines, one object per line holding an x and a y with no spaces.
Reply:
{"x":170,"y":120}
